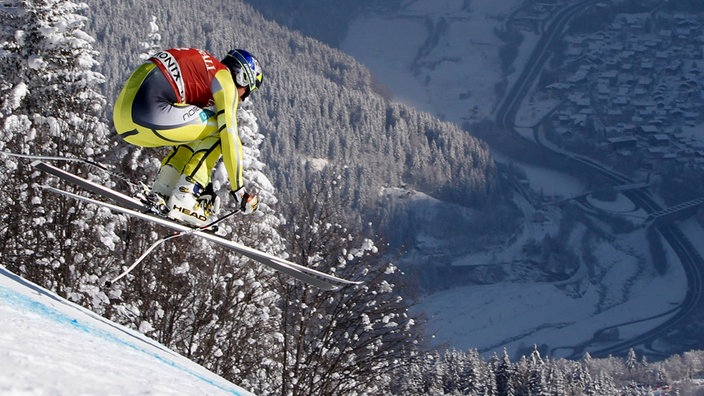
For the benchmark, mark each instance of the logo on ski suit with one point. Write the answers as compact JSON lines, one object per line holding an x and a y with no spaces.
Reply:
{"x":169,"y":65}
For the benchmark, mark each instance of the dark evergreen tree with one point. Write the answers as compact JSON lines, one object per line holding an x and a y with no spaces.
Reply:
{"x":504,"y":376}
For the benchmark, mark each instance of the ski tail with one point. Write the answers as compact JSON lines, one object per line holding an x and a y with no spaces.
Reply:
{"x":108,"y":169}
{"x":56,"y":158}
{"x":118,"y":197}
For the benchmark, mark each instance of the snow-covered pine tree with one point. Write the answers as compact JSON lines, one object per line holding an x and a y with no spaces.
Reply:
{"x":504,"y":373}
{"x":416,"y":378}
{"x":346,"y":342}
{"x":536,"y":374}
{"x":152,"y":44}
{"x":51,"y":105}
{"x":13,"y":88}
{"x":631,"y":360}
{"x":579,"y":376}
{"x":456,"y":381}
{"x":480,"y":375}
{"x":555,"y":380}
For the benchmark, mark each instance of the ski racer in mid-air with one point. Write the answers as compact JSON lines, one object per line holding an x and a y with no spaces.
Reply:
{"x":186,"y":99}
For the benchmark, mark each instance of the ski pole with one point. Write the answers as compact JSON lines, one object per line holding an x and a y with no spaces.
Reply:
{"x":103,"y":167}
{"x":177,"y":234}
{"x":109,"y":283}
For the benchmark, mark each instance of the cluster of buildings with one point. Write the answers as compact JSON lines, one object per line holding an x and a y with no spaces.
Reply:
{"x":635,"y":89}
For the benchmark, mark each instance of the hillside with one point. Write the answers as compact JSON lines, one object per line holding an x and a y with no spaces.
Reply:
{"x":382,"y":152}
{"x":49,"y":345}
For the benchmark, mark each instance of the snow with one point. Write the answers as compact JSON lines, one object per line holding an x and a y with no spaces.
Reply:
{"x":561,"y":315}
{"x":566,"y":314}
{"x":552,"y":182}
{"x":316,"y":164}
{"x":49,"y":346}
{"x":451,"y":73}
{"x":36,"y":62}
{"x":17,"y":94}
{"x":516,"y":316}
{"x":695,"y":133}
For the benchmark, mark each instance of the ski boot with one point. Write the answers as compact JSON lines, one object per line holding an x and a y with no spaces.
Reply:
{"x":192,"y":204}
{"x":155,"y":199}
{"x":155,"y":203}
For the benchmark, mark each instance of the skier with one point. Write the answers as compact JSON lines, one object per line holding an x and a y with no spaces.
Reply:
{"x":186,"y":99}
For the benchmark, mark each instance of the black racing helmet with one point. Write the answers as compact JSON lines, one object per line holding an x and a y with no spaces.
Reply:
{"x":245,"y":69}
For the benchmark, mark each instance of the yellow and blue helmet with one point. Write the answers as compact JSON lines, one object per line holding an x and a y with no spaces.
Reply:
{"x":245,"y":69}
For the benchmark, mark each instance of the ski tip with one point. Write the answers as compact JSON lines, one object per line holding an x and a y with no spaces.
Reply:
{"x":340,"y":285}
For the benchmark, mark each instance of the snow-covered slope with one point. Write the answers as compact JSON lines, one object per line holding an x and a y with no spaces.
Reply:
{"x":438,"y":56}
{"x":49,"y":346}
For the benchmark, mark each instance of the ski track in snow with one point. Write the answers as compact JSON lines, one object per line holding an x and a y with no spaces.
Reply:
{"x":46,"y":345}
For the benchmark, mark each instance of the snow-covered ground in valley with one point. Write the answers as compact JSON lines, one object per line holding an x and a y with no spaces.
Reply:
{"x":49,"y":346}
{"x":565,"y":314}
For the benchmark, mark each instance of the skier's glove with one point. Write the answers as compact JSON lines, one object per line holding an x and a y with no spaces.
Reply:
{"x":209,"y":200}
{"x":246,"y":202}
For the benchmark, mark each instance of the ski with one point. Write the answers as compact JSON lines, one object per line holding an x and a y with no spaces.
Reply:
{"x":305,"y":274}
{"x":133,"y":207}
{"x":118,"y":197}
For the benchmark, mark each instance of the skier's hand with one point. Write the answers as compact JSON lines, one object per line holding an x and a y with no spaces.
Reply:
{"x":209,"y":200}
{"x":246,"y":202}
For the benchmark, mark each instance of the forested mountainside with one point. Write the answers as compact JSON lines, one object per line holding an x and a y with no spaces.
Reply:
{"x":317,"y":105}
{"x":328,"y":23}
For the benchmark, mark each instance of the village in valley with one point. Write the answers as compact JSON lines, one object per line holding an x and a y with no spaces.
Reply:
{"x":630,"y":94}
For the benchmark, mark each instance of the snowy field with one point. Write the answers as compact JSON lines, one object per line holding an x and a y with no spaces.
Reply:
{"x":560,"y":315}
{"x":49,"y":346}
{"x":563,"y":314}
{"x":435,"y":55}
